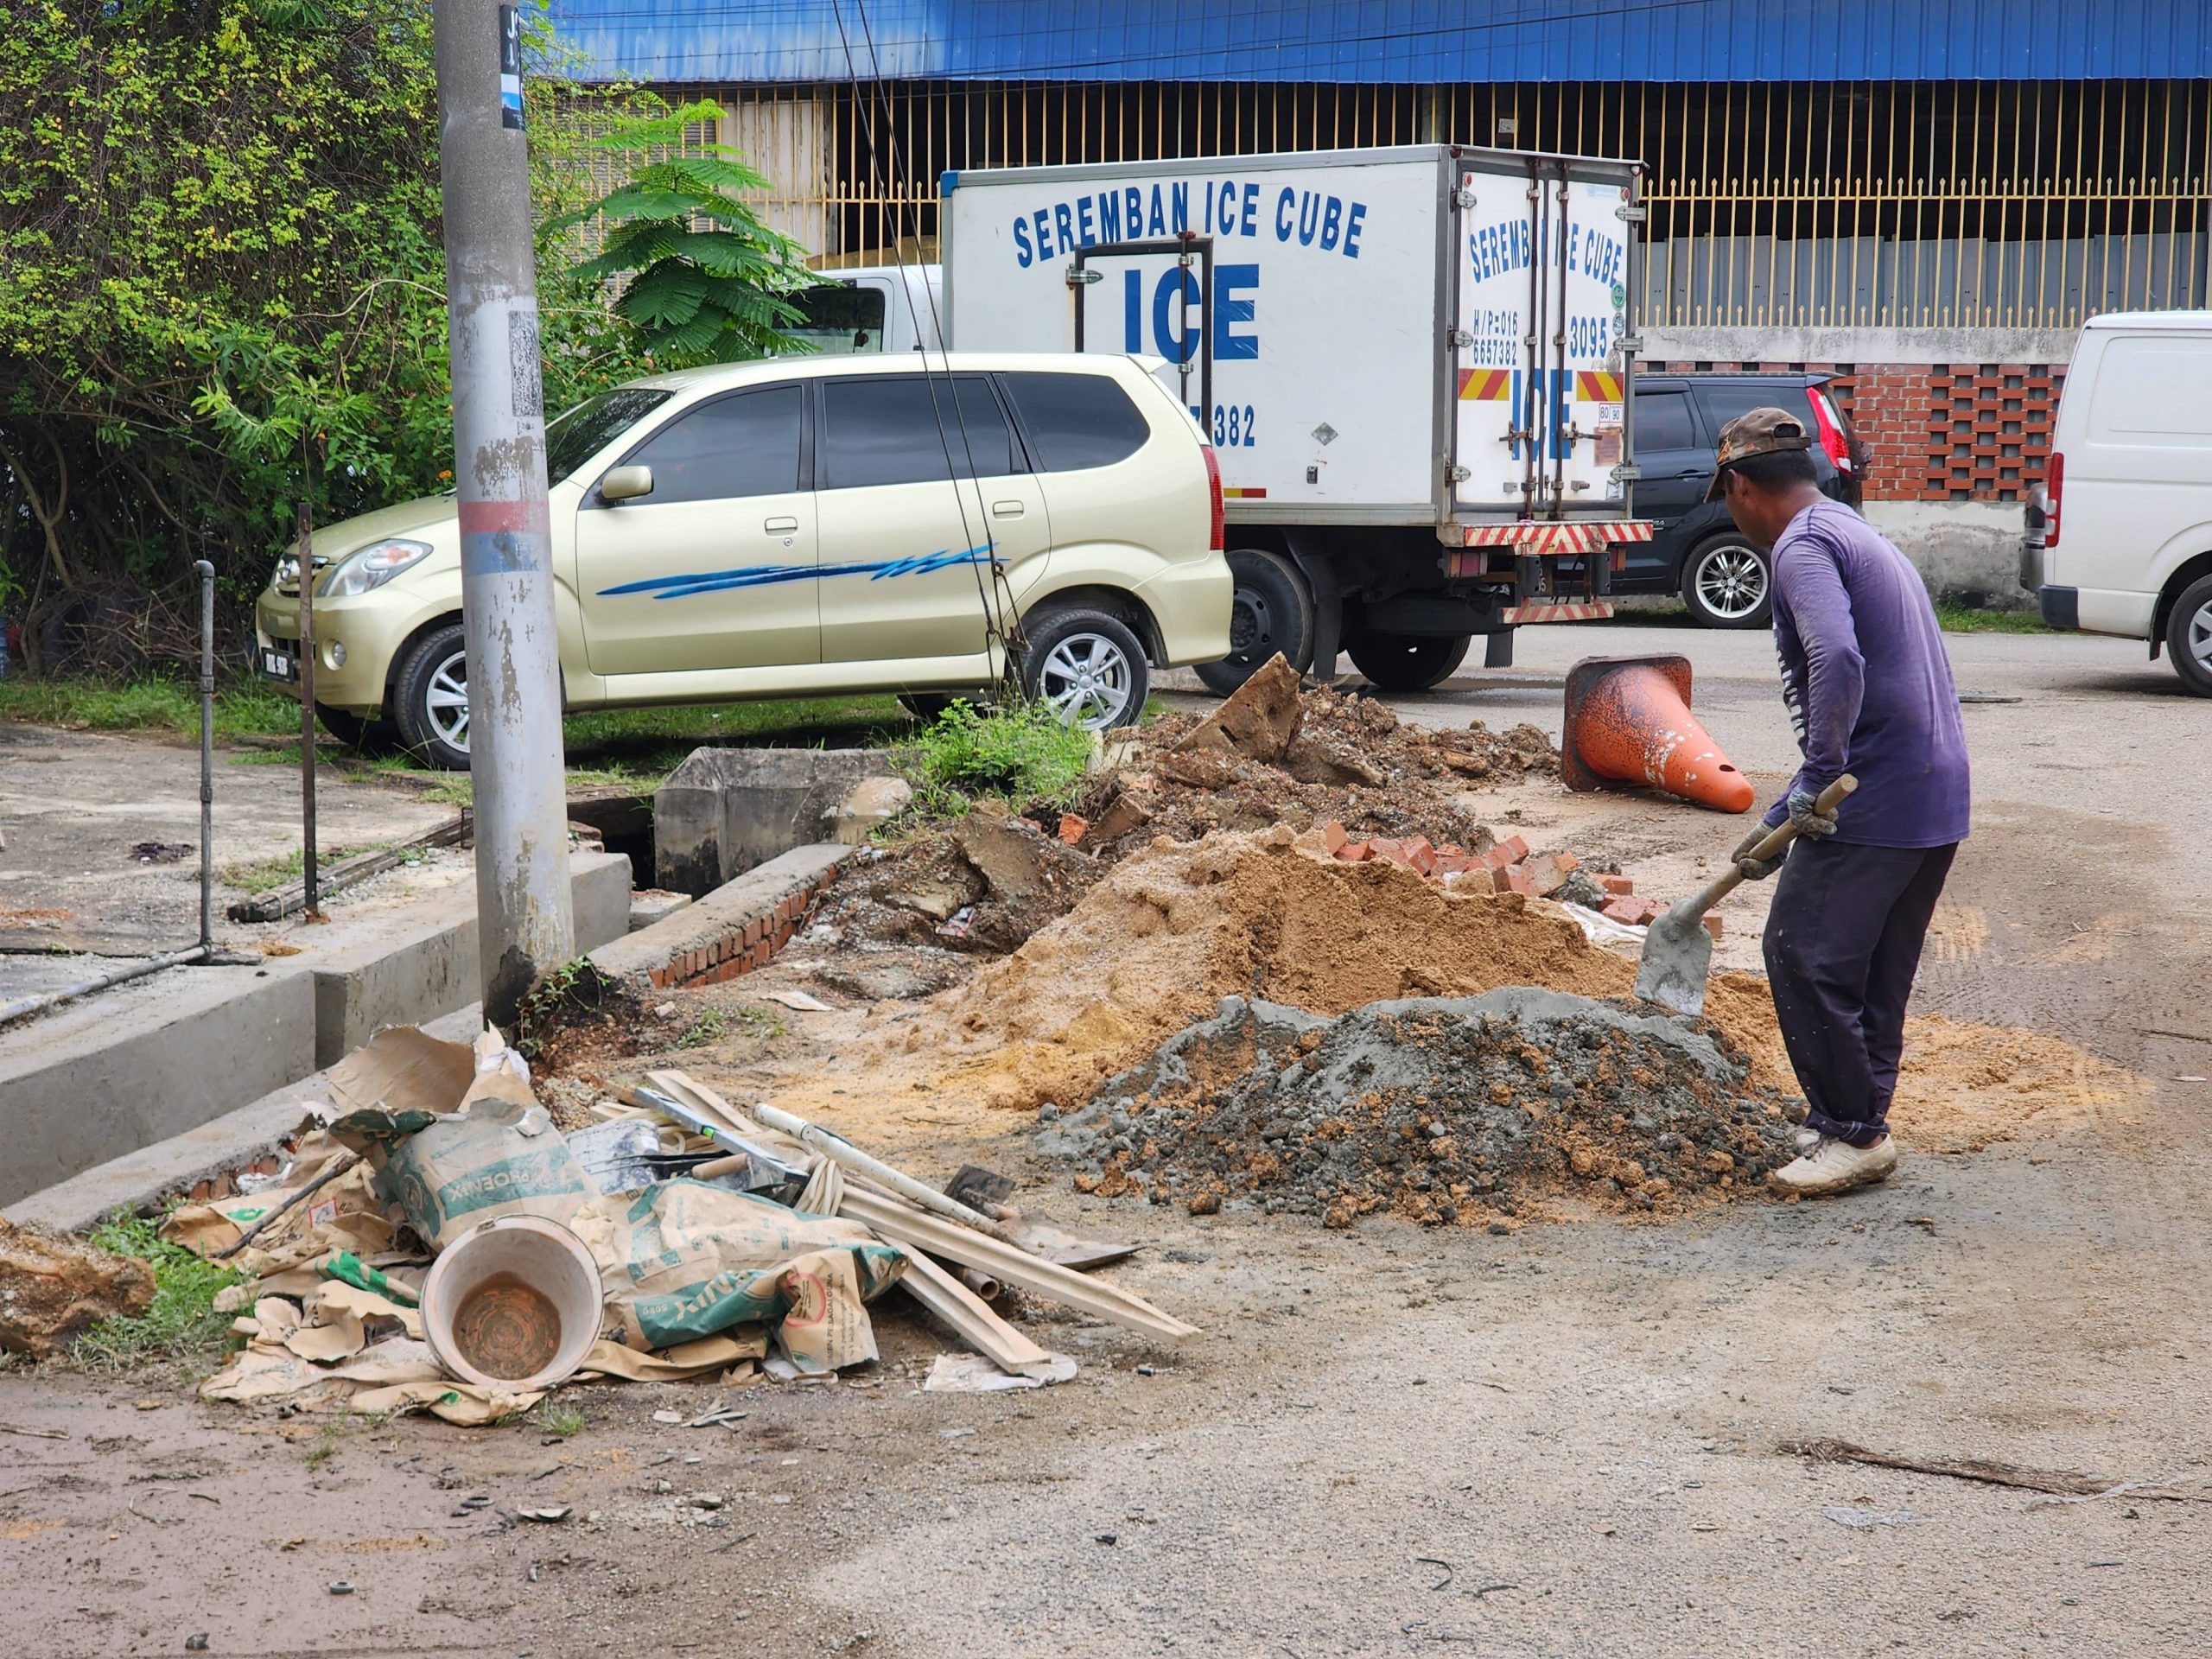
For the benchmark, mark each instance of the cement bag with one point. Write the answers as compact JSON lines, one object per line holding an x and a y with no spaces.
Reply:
{"x":683,"y":1260}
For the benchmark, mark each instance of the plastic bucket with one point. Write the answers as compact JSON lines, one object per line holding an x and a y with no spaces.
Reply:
{"x":514,"y":1305}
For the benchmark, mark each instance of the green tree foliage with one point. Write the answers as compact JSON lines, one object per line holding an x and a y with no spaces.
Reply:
{"x":710,"y":278}
{"x":222,"y":290}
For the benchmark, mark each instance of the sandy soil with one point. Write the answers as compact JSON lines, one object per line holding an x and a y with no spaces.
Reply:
{"x":1391,"y":1441}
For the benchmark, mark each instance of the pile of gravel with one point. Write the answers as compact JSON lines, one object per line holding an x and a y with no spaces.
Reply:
{"x":1461,"y":1109}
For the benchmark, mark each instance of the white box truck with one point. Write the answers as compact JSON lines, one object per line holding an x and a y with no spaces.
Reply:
{"x":1415,"y":364}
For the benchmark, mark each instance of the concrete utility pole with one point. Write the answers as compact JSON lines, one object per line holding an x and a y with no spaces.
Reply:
{"x":524,"y":924}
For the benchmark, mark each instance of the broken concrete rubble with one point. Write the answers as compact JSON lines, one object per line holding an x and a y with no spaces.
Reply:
{"x":52,"y":1288}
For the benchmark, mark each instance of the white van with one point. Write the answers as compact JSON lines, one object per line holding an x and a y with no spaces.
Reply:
{"x":2131,"y":471}
{"x":893,"y":309}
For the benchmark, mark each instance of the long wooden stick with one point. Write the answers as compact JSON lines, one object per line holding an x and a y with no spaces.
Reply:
{"x":838,"y":1150}
{"x":975,"y":1323}
{"x":904,"y":1225}
{"x":314,"y":1185}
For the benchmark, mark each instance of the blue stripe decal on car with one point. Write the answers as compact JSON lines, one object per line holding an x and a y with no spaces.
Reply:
{"x":762,"y":575}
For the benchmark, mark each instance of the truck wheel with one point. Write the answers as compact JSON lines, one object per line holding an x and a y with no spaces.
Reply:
{"x":1728,"y":583}
{"x":1087,"y":665}
{"x":1273,"y":612}
{"x":2188,"y":635}
{"x":1409,"y":662}
{"x":430,"y":697}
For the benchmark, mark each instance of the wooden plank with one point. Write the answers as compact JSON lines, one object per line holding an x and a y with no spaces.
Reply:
{"x":681,"y":1086}
{"x":971,"y":1321}
{"x":902,"y":1223}
{"x":279,"y":902}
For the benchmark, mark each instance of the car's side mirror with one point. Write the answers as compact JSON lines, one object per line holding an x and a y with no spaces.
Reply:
{"x":625,"y":483}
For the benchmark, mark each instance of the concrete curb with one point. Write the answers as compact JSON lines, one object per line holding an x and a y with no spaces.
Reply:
{"x":735,"y":929}
{"x":203,"y":1161}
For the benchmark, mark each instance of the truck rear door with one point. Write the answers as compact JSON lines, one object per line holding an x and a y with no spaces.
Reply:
{"x":1542,"y":309}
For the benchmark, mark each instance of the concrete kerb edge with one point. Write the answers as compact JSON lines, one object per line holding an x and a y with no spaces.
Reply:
{"x":210,"y":1154}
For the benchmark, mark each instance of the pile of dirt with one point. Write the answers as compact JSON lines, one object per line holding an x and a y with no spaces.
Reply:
{"x":1328,"y":756}
{"x":52,"y":1288}
{"x":1165,"y":935}
{"x":1436,"y":1110}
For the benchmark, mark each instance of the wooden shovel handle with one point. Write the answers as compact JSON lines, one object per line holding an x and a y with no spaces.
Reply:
{"x":1779,"y":837}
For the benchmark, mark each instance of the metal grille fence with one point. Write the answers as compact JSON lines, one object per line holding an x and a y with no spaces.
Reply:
{"x":1890,"y":205}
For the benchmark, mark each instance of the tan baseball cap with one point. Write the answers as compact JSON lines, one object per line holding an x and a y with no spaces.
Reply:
{"x":1761,"y":432}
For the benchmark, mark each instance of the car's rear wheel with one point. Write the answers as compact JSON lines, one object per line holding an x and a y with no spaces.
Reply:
{"x":2188,"y":635}
{"x":1409,"y":662}
{"x":1271,"y":611}
{"x":1728,"y":583}
{"x":430,"y":697}
{"x":1086,"y":665}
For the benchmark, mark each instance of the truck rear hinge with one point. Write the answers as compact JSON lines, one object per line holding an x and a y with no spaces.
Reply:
{"x":1079,"y":275}
{"x":1630,"y":344}
{"x":1461,"y":340}
{"x":1457,"y":475}
{"x":1466,"y":199}
{"x":1633,"y":212}
{"x":1627,"y":472}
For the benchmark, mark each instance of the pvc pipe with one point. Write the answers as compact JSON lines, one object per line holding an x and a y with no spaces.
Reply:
{"x":24,"y":1005}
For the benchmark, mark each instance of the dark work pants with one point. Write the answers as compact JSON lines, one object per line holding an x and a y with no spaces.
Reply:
{"x":1842,"y":945}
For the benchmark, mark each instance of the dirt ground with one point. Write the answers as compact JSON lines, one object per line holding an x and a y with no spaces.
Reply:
{"x":1564,"y":1440}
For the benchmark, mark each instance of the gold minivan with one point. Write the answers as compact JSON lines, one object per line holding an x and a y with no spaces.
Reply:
{"x":800,"y":528}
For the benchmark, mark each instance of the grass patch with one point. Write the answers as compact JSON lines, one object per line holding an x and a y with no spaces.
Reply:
{"x":1016,"y":752}
{"x":181,"y":1327}
{"x":711,"y":1027}
{"x":558,"y":1419}
{"x":243,"y":708}
{"x":1965,"y":619}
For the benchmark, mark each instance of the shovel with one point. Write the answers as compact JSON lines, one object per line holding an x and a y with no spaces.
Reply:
{"x":1678,"y":951}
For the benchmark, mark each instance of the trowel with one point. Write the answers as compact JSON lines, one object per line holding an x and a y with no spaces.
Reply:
{"x":1678,"y":951}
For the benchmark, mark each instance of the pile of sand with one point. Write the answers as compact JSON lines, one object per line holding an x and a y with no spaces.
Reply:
{"x":1155,"y":945}
{"x":1168,"y":934}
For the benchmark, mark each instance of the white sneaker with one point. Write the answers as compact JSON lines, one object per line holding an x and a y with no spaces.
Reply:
{"x":1832,"y":1166}
{"x":1808,"y":1140}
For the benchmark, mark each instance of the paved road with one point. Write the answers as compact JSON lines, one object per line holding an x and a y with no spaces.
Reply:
{"x":1565,"y":1442}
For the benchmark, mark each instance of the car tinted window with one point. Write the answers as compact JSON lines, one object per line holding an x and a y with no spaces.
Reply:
{"x":577,"y":434}
{"x":747,"y":444}
{"x":1724,"y":404}
{"x":1074,"y":421}
{"x":901,"y":431}
{"x":1662,"y":421}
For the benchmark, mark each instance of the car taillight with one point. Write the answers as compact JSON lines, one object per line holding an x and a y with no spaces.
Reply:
{"x":2053,"y":480}
{"x":1831,"y":430}
{"x":1217,"y":531}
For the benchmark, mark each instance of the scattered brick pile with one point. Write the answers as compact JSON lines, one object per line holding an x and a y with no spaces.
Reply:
{"x":1506,"y":867}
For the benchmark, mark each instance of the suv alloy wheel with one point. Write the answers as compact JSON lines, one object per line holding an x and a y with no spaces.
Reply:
{"x":1727,"y":583}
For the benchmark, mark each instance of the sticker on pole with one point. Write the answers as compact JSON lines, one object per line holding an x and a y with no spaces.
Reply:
{"x":511,"y":67}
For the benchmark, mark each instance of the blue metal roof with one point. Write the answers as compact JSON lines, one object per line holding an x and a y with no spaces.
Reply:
{"x":1402,"y":41}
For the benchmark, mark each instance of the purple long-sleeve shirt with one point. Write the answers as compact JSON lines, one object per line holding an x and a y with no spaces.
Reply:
{"x":1867,"y":683}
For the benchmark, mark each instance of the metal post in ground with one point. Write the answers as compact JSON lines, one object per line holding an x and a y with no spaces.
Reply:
{"x":206,"y":753}
{"x":525,"y":927}
{"x":306,"y":542}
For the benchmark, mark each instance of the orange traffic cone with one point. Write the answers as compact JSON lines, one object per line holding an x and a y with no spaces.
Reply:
{"x":1629,"y":726}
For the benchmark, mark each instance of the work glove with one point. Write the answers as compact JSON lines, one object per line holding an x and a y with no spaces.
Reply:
{"x":1757,"y":869}
{"x":1805,"y":813}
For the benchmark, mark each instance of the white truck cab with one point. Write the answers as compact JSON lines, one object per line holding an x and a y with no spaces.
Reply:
{"x":893,"y":309}
{"x":2120,"y":535}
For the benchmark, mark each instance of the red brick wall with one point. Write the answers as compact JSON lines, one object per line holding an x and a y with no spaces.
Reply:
{"x":1941,"y":432}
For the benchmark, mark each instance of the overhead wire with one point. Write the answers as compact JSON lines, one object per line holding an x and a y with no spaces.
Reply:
{"x":995,"y":632}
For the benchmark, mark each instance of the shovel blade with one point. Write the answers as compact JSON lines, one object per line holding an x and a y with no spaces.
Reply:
{"x":1677,"y":956}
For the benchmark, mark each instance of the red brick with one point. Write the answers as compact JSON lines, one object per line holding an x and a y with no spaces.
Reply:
{"x":1387,"y":847}
{"x":1455,"y":863}
{"x":751,"y":933}
{"x":1511,"y":850}
{"x":1420,"y":853}
{"x":1333,"y":838}
{"x":1624,"y":909}
{"x":1619,"y":884}
{"x":1712,"y":920}
{"x":1545,"y":877}
{"x":1073,"y":828}
{"x":1352,"y":852}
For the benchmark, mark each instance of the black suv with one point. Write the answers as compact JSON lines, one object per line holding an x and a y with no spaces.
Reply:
{"x":1697,"y":551}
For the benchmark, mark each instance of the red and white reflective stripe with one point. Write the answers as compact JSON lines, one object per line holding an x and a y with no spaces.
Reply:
{"x":1556,"y":539}
{"x":1588,"y":612}
{"x":1244,"y":494}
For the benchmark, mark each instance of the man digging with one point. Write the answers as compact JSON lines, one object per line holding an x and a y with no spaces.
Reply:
{"x":1869,"y":690}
